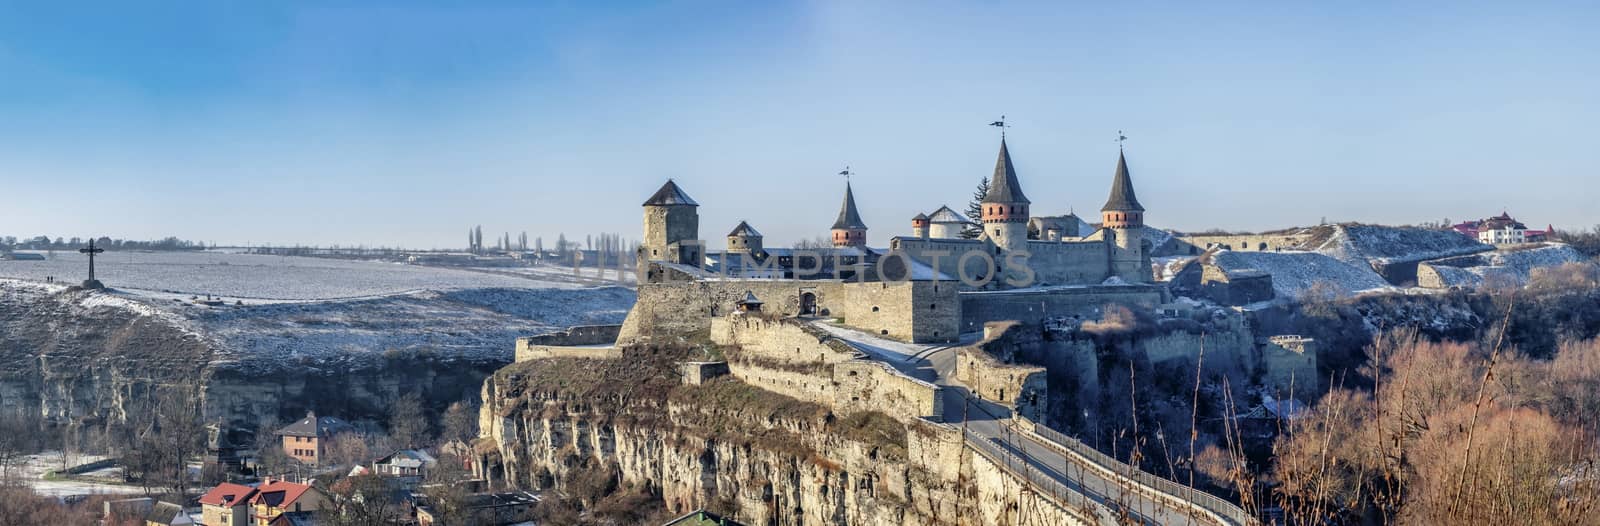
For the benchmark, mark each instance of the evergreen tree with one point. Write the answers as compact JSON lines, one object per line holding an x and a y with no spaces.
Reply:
{"x":975,"y":211}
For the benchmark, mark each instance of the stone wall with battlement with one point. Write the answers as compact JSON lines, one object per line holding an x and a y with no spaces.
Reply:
{"x":1193,"y":244}
{"x":1067,"y":262}
{"x":579,"y":335}
{"x":918,"y":311}
{"x":1031,"y":306}
{"x":594,"y":352}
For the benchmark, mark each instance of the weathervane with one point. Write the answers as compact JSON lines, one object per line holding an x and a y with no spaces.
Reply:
{"x":1120,"y":138}
{"x":1002,"y":125}
{"x":846,"y":173}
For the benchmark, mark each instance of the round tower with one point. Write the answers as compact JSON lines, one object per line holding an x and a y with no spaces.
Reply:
{"x":1123,"y":219}
{"x":848,"y":230}
{"x":947,"y":224}
{"x":744,"y":239}
{"x":671,"y":228}
{"x":919,"y":226}
{"x":1005,"y":208}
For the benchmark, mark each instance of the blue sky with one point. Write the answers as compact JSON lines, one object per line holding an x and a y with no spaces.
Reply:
{"x":404,"y":124}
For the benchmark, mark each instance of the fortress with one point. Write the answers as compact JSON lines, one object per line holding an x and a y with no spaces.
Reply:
{"x":932,"y":285}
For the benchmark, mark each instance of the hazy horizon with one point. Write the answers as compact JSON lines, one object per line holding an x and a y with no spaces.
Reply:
{"x":406,"y":126}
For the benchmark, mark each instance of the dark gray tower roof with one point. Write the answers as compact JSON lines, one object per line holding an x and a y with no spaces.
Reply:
{"x":1003,"y":187}
{"x":849,"y":218}
{"x":668,"y":195}
{"x":1122,"y":198}
{"x":744,"y":229}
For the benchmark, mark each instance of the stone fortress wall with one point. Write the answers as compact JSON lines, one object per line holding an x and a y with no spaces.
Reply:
{"x":917,"y":311}
{"x":1194,"y":244}
{"x":989,"y":369}
{"x":1068,"y":261}
{"x":1034,"y":305}
{"x":584,"y":341}
{"x":791,"y":358}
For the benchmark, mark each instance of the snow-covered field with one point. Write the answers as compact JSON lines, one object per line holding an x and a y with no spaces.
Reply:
{"x":33,"y":469}
{"x":332,"y":313}
{"x":256,"y":278}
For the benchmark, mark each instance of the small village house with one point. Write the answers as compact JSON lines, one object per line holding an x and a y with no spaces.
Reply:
{"x":307,"y":440}
{"x":275,"y":498}
{"x":408,"y":465}
{"x":228,"y":504}
{"x":167,"y":514}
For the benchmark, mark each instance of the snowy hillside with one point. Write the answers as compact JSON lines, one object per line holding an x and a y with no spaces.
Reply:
{"x":1295,"y":272}
{"x":1513,"y":266}
{"x":1361,"y":244}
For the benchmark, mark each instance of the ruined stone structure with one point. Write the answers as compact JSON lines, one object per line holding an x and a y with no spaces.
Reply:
{"x":1200,"y":278}
{"x":990,"y":369}
{"x":1290,"y":367}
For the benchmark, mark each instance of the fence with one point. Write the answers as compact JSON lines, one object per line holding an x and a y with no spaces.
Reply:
{"x":1223,"y":509}
{"x":1047,"y":486}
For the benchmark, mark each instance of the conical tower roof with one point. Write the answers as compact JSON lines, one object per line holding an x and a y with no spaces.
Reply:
{"x":744,"y":229}
{"x":1122,"y":198}
{"x":1004,"y":187}
{"x":849,"y":218}
{"x":668,"y":195}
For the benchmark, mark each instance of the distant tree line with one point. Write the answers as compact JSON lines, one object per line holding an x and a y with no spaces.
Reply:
{"x":1586,"y":242}
{"x":610,"y":246}
{"x":74,"y":243}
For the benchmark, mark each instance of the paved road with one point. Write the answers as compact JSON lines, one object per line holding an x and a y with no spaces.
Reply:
{"x":991,"y":423}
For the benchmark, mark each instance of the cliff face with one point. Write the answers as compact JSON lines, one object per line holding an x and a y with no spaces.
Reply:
{"x":760,"y":457}
{"x":96,"y":359}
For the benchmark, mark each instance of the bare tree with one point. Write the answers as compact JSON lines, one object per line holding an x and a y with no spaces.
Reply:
{"x":408,"y":422}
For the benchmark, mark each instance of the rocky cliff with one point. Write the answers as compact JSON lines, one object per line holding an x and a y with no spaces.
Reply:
{"x":627,"y":426}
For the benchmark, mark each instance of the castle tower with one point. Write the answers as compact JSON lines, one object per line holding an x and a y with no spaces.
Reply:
{"x":919,"y":226}
{"x":947,"y":224}
{"x":744,"y":239}
{"x":671,"y":228}
{"x":1123,"y":218}
{"x":1005,"y":209}
{"x":848,"y":230}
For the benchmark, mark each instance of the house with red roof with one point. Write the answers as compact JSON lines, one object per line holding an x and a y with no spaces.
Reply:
{"x":1502,"y":230}
{"x":276,"y":498}
{"x":228,"y":504}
